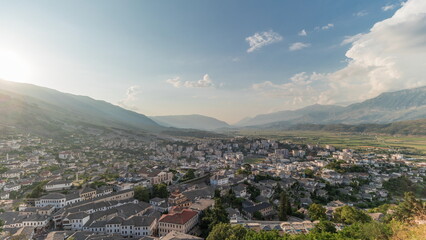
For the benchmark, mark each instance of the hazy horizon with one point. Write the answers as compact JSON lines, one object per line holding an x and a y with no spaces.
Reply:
{"x":227,"y":60}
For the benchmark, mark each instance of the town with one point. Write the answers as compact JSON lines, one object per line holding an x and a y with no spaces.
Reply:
{"x":116,"y":186}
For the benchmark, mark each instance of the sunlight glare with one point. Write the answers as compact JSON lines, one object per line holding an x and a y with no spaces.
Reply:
{"x":14,"y":67}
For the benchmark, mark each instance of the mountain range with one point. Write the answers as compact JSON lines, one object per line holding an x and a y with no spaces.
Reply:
{"x":388,"y":107}
{"x":34,"y":108}
{"x":194,"y":121}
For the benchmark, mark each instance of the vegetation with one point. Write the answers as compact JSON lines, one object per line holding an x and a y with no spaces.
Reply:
{"x":317,"y":212}
{"x":142,"y":193}
{"x":212,"y":217}
{"x":284,"y":209}
{"x":160,"y":190}
{"x":397,"y":187}
{"x":397,"y":226}
{"x":411,"y":145}
{"x":350,"y":215}
{"x":190,"y":174}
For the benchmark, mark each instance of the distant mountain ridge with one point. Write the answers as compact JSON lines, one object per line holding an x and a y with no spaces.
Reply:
{"x":408,"y":104}
{"x":193,"y":121}
{"x":409,"y":127}
{"x":26,"y":105}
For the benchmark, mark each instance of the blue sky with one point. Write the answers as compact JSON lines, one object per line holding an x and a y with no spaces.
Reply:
{"x":186,"y":57}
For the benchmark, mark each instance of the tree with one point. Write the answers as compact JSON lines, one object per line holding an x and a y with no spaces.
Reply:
{"x":213,"y":216}
{"x":317,"y":212}
{"x":324,"y":226}
{"x":263,"y":235}
{"x":190,"y":174}
{"x":350,"y":215}
{"x":216,"y":193}
{"x":36,"y":192}
{"x":409,"y":208}
{"x":309,"y":173}
{"x":160,"y":190}
{"x":225,"y":231}
{"x":141,"y":194}
{"x":257,"y":215}
{"x":371,"y":230}
{"x":283,"y":207}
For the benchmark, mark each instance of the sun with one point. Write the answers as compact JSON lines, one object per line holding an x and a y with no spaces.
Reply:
{"x":14,"y":67}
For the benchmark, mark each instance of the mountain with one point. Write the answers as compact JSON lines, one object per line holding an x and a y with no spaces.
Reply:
{"x":190,"y":121}
{"x":306,"y":114}
{"x":410,"y":127}
{"x":31,"y":107}
{"x":388,"y":107}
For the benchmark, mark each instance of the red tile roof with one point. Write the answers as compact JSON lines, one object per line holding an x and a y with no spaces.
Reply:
{"x":179,"y":217}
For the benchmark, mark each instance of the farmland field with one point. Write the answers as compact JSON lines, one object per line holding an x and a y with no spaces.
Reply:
{"x":414,"y":146}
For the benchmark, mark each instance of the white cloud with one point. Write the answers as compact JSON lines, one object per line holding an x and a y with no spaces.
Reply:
{"x":298,"y":46}
{"x":361,"y":13}
{"x":302,"y":33}
{"x":259,"y":40}
{"x":328,"y":26}
{"x":351,"y":39}
{"x":387,"y":58}
{"x":301,"y":90}
{"x":205,"y":82}
{"x":388,"y":7}
{"x":130,"y":97}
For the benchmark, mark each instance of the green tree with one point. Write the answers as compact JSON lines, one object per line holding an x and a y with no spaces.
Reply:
{"x":317,"y":212}
{"x":283,"y":207}
{"x":409,"y":208}
{"x":141,"y":194}
{"x":213,"y":216}
{"x":263,"y":235}
{"x":36,"y":192}
{"x":224,"y":231}
{"x":160,"y":190}
{"x":257,"y":215}
{"x":190,"y":174}
{"x":309,"y":173}
{"x":350,"y":215}
{"x":371,"y":230}
{"x":324,"y":226}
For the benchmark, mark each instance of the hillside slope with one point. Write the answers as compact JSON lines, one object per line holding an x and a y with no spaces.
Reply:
{"x":23,"y":104}
{"x":190,"y":121}
{"x":409,"y":104}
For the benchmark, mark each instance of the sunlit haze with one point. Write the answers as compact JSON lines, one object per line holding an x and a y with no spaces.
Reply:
{"x":225,"y":59}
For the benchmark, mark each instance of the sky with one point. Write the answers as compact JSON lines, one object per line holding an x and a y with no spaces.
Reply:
{"x":224,"y":59}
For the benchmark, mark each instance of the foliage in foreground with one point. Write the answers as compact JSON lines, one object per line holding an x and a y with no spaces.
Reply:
{"x":399,"y":225}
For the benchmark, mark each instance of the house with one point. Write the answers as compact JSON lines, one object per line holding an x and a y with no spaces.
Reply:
{"x":173,"y":235}
{"x":4,"y":196}
{"x":178,"y":199}
{"x":57,"y":200}
{"x":156,"y":176}
{"x":138,"y":226}
{"x":240,"y":190}
{"x":219,"y":180}
{"x":264,"y":208}
{"x":182,"y":221}
{"x":160,"y":204}
{"x":87,"y":193}
{"x":12,"y":187}
{"x":75,"y":221}
{"x":16,"y":220}
{"x":12,"y":173}
{"x":57,"y":185}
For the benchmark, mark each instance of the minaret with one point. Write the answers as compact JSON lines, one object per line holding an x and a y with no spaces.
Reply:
{"x":76,"y":176}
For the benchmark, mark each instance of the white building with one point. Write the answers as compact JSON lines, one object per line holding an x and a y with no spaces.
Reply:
{"x":57,"y":185}
{"x":57,"y":200}
{"x":13,"y":187}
